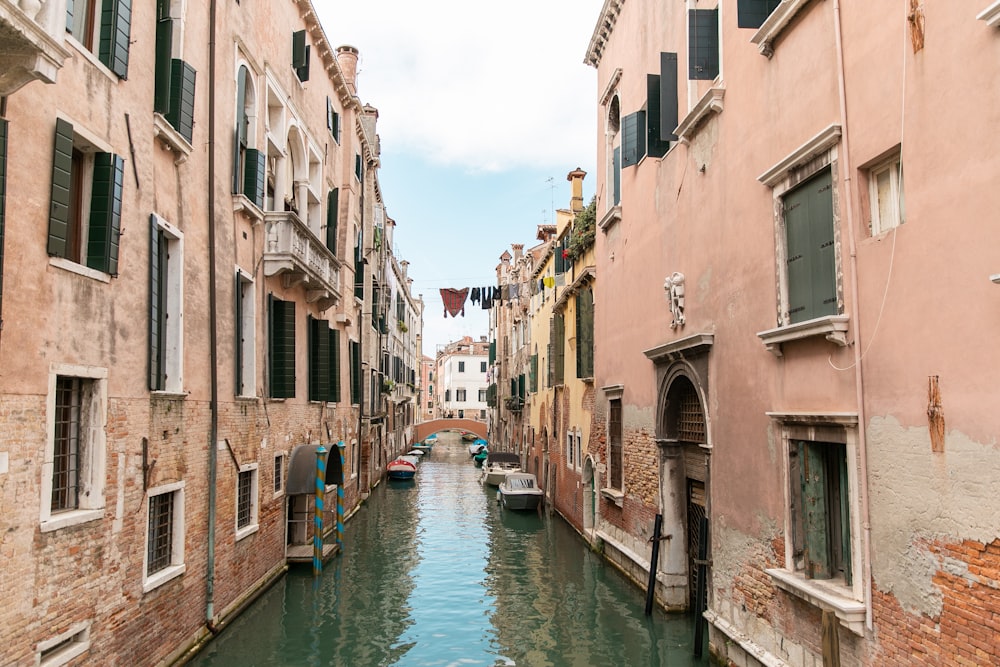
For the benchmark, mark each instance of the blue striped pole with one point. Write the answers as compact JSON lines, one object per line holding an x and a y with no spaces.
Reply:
{"x":340,"y":499}
{"x":318,"y":515}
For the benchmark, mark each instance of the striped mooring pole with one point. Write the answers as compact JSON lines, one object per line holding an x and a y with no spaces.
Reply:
{"x":340,"y":499}
{"x":318,"y":514}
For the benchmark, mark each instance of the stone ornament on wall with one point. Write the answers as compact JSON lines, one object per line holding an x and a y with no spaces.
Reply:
{"x":673,"y":286}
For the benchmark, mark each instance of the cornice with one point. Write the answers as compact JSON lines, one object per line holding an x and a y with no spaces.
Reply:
{"x":602,"y":31}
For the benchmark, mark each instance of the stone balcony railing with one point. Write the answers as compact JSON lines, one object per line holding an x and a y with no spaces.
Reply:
{"x":32,"y":35}
{"x":293,"y":251}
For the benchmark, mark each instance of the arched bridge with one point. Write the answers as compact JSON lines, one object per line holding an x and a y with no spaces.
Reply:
{"x":424,"y":429}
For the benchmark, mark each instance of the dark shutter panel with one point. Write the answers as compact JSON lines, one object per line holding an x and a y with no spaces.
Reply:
{"x":240,"y":134}
{"x":181,"y":113}
{"x":282,"y":348}
{"x":303,"y":72}
{"x":355,"y":349}
{"x":559,"y":349}
{"x":655,"y":147}
{"x":520,"y":387}
{"x":329,"y":114}
{"x":813,"y":475}
{"x":3,"y":198}
{"x":845,"y":514}
{"x":336,"y":127}
{"x":334,"y":366}
{"x":357,"y":166}
{"x":703,"y":44}
{"x":164,"y":52}
{"x":809,"y":250}
{"x":116,"y":19}
{"x":319,"y":360}
{"x":298,"y":48}
{"x":585,"y":334}
{"x":62,"y":176}
{"x":105,"y":213}
{"x":157,"y":305}
{"x":616,"y":165}
{"x":238,"y":327}
{"x":633,"y":138}
{"x":668,"y":96}
{"x":824,"y":268}
{"x":493,"y":352}
{"x":332,"y":209}
{"x":533,"y":373}
{"x":753,"y":13}
{"x":253,"y":176}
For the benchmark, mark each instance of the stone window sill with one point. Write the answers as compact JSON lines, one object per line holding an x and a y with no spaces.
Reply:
{"x":79,"y":269}
{"x":833,"y":327}
{"x":612,"y":217}
{"x":991,"y":15}
{"x":614,"y":495}
{"x":243,"y":203}
{"x":775,"y":25}
{"x":162,"y":577}
{"x":830,"y":595}
{"x":246,"y":531}
{"x":70,"y":518}
{"x":171,"y":138}
{"x":710,"y":102}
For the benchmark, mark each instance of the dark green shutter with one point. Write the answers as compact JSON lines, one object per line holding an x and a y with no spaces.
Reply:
{"x":332,"y":210}
{"x":116,"y":18}
{"x":164,"y":52}
{"x":493,"y":352}
{"x":753,"y":13}
{"x":359,"y":267}
{"x":238,"y":327}
{"x":616,"y":167}
{"x":585,"y":334}
{"x":668,"y":97}
{"x":559,"y":347}
{"x":182,"y":86}
{"x":845,"y":514}
{"x":809,"y":248}
{"x":253,"y":176}
{"x":240,"y":135}
{"x":334,"y":366}
{"x":655,"y":147}
{"x":520,"y":387}
{"x":157,"y":305}
{"x":62,"y":178}
{"x":355,"y":351}
{"x":814,"y":511}
{"x":105,"y":213}
{"x":533,"y":373}
{"x":319,"y":360}
{"x":300,"y":55}
{"x":3,"y":198}
{"x":633,"y":138}
{"x":703,"y":44}
{"x":281,"y":345}
{"x":357,"y":166}
{"x":336,"y":126}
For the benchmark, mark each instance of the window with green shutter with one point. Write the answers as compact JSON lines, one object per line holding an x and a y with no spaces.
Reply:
{"x":332,"y":120}
{"x":703,"y":44}
{"x":300,"y":55}
{"x":332,"y":214}
{"x":359,"y":267}
{"x":164,"y":57}
{"x":356,"y":378}
{"x":245,"y":343}
{"x":661,"y":106}
{"x":105,"y":213}
{"x":616,"y":170}
{"x":281,"y":347}
{"x":558,"y":348}
{"x":493,"y":352}
{"x":242,"y":163}
{"x":753,"y":13}
{"x":319,"y":360}
{"x":180,"y":113}
{"x":585,"y":333}
{"x":116,"y":20}
{"x":158,"y":263}
{"x":253,"y":176}
{"x":358,"y":168}
{"x":334,"y":396}
{"x":633,"y":138}
{"x":533,"y":373}
{"x":810,"y":249}
{"x":820,"y":506}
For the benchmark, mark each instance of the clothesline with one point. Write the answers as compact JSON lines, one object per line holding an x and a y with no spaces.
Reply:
{"x":454,"y":299}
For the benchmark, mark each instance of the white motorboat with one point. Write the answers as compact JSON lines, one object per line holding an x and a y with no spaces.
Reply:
{"x":498,"y":465}
{"x":519,"y":491}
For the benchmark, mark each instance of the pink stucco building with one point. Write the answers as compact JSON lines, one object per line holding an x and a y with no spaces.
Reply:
{"x":795,"y":321}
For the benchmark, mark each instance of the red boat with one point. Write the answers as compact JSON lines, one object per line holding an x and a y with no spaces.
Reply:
{"x":401,"y":468}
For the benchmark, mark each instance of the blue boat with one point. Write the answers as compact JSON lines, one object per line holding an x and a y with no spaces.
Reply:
{"x":401,"y":468}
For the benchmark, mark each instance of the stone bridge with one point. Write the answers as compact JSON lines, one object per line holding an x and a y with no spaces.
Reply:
{"x":424,"y":429}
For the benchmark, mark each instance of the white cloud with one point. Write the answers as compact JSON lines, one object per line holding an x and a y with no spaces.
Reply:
{"x":483,"y":85}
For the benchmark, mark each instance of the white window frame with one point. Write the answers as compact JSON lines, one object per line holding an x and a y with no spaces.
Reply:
{"x":570,"y":454}
{"x":461,"y":396}
{"x":896,"y":205}
{"x":174,"y":313}
{"x":253,"y":469}
{"x":93,"y":446}
{"x":177,"y":566}
{"x":579,"y":450}
{"x":248,"y":335}
{"x":278,"y":471}
{"x":612,"y":393}
{"x":67,"y":645}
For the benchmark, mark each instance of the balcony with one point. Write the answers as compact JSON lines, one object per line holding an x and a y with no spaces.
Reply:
{"x":293,"y":252}
{"x":31,"y":42}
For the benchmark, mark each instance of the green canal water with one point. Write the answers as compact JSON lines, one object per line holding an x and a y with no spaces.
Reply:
{"x":435,"y":573}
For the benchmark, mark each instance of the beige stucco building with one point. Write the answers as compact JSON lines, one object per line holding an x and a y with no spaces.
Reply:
{"x":194,"y":240}
{"x":795,"y":219}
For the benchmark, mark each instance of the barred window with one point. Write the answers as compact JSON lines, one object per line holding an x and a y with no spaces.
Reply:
{"x":160,"y":542}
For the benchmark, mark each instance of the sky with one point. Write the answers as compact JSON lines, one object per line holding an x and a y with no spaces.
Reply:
{"x":484,"y":108}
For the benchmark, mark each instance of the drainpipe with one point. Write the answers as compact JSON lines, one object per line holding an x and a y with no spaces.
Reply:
{"x":212,"y":333}
{"x":856,"y":317}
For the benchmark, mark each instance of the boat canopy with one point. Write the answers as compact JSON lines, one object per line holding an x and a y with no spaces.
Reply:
{"x":503,"y":457}
{"x":302,"y":469}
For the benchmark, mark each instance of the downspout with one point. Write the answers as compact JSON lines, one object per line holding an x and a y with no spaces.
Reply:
{"x":361,"y":348}
{"x":856,"y":317}
{"x":212,"y":333}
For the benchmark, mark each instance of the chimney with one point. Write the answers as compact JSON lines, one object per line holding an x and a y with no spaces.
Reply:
{"x":347,"y":58}
{"x":576,"y":178}
{"x":518,"y":251}
{"x":369,"y":119}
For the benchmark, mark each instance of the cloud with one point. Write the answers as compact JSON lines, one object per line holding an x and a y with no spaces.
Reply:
{"x":487,"y":86}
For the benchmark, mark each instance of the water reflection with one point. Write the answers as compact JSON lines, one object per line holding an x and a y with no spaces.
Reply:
{"x":436,"y":573}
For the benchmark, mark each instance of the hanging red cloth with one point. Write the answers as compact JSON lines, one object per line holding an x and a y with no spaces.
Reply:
{"x":454,"y":301}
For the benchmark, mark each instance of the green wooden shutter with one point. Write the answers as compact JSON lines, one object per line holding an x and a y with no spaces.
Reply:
{"x":585,"y":334}
{"x":336,"y":126}
{"x":355,"y":351}
{"x":116,"y":19}
{"x":182,"y":86}
{"x":809,"y":248}
{"x":329,"y":114}
{"x":703,"y":44}
{"x":157,"y":306}
{"x":164,"y":51}
{"x":845,"y":515}
{"x":319,"y":360}
{"x":493,"y":352}
{"x":668,"y":97}
{"x":300,"y":55}
{"x":753,"y":13}
{"x":357,"y":167}
{"x":238,"y":330}
{"x":814,"y":512}
{"x":3,"y":198}
{"x":533,"y":373}
{"x":520,"y":388}
{"x":281,"y":345}
{"x":332,"y":211}
{"x":616,"y":167}
{"x":334,"y":366}
{"x":633,"y":138}
{"x":240,"y":135}
{"x":253,"y":176}
{"x":105,"y":213}
{"x":559,"y":349}
{"x":62,"y":178}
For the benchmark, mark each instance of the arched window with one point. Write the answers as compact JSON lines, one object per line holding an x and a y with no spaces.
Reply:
{"x":248,"y":162}
{"x":614,"y":152}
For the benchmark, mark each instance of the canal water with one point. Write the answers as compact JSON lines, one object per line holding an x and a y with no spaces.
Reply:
{"x":435,"y":573}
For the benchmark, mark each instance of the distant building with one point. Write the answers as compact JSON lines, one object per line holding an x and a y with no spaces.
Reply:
{"x":460,"y":369}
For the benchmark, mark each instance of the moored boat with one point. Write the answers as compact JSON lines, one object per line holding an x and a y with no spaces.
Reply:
{"x":478,"y":446}
{"x":519,"y":491}
{"x":401,"y":468}
{"x":469,"y":436}
{"x":498,"y":465}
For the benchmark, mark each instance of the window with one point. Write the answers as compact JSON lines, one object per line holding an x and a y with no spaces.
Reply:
{"x":447,"y":395}
{"x":820,"y":509}
{"x":585,"y":333}
{"x":355,"y":351}
{"x":810,"y":256}
{"x":556,"y":350}
{"x":174,"y":79}
{"x":246,"y":350}
{"x":570,"y":449}
{"x":533,"y":373}
{"x":166,"y":307}
{"x":482,"y":414}
{"x":461,"y":367}
{"x":62,"y":649}
{"x":885,"y":192}
{"x":614,"y":151}
{"x":753,"y":13}
{"x":281,"y":347}
{"x":359,"y":267}
{"x":324,"y":362}
{"x":332,"y":120}
{"x":460,"y":396}
{"x":482,"y":366}
{"x":579,"y":450}
{"x":300,"y":55}
{"x":332,"y":217}
{"x":164,"y":535}
{"x":633,"y":138}
{"x":482,"y":395}
{"x":661,"y":106}
{"x":279,"y":473}
{"x":3,"y":197}
{"x":358,"y":170}
{"x":703,"y":44}
{"x":246,"y":501}
{"x":615,"y":433}
{"x":86,"y":205}
{"x":249,"y":164}
{"x":73,"y":470}
{"x":105,"y":24}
